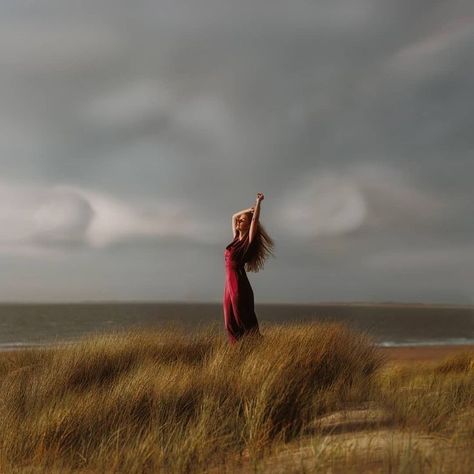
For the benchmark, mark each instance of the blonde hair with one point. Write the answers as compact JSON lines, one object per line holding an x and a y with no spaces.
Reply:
{"x":260,"y":250}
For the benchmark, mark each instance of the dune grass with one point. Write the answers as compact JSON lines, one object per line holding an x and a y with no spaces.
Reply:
{"x":436,"y":398}
{"x":166,"y":401}
{"x":145,"y":401}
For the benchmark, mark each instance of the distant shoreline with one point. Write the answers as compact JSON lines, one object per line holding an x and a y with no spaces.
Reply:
{"x":415,"y":353}
{"x":424,"y":353}
{"x":395,"y":327}
{"x":258,"y":303}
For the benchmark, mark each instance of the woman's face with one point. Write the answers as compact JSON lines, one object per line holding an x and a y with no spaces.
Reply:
{"x":243,"y":222}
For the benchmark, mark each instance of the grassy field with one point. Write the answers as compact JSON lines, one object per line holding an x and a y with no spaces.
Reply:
{"x":306,"y":398}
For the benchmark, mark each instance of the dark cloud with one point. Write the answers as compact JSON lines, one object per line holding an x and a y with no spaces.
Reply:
{"x":164,"y":118}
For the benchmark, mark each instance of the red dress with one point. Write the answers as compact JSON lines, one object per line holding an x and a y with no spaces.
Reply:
{"x":239,"y":313}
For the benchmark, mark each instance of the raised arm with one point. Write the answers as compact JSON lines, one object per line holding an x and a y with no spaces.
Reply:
{"x":255,"y":216}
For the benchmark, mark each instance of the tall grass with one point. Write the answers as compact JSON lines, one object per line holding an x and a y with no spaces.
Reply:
{"x":420,"y":420}
{"x":164,"y":401}
{"x":437,"y":398}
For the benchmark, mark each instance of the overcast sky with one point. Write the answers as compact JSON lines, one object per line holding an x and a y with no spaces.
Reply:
{"x":131,"y":131}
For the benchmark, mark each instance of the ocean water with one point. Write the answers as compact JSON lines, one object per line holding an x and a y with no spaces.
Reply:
{"x":388,"y":324}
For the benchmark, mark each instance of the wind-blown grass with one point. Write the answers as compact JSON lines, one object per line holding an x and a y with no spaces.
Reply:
{"x":306,"y":398}
{"x":164,"y":401}
{"x":433,"y":398}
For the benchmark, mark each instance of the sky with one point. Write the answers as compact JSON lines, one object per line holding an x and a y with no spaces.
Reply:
{"x":130,"y":132}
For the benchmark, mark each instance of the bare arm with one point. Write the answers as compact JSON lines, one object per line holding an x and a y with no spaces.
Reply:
{"x":243,"y":211}
{"x":255,"y":216}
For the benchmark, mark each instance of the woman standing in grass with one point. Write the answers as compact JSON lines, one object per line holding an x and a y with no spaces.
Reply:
{"x":248,"y":251}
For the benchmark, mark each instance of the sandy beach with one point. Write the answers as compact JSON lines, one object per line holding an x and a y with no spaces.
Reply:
{"x":424,"y":353}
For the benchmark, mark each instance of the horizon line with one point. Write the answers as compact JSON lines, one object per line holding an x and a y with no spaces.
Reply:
{"x":268,"y":303}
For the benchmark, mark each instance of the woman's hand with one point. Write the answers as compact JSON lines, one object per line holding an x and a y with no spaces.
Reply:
{"x":260,"y":197}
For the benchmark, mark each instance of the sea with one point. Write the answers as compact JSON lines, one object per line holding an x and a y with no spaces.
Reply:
{"x":389,"y":324}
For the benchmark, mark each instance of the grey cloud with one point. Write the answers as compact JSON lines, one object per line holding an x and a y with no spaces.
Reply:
{"x":41,"y":220}
{"x":333,"y":202}
{"x":63,"y":218}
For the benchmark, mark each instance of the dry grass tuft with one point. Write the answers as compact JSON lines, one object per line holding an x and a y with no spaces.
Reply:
{"x":429,"y":398}
{"x":463,"y":362}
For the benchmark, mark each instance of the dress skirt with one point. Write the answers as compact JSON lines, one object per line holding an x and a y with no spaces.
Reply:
{"x":238,"y":302}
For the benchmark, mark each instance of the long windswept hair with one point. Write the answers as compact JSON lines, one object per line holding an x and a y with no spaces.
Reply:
{"x":260,"y":250}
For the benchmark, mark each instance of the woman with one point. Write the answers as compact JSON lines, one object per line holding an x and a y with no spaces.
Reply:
{"x":248,"y":250}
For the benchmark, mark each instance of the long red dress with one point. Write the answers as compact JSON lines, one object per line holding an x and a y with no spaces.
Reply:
{"x":239,"y":313}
